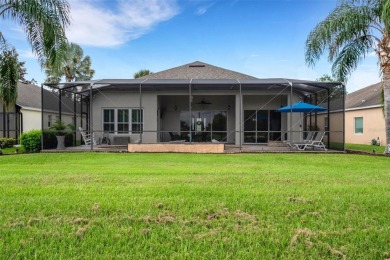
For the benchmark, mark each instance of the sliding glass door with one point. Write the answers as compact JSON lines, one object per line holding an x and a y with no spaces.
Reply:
{"x":261,"y":126}
{"x":205,"y":125}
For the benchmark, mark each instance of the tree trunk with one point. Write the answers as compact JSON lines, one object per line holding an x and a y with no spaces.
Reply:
{"x":384,"y":57}
{"x":386,"y":103}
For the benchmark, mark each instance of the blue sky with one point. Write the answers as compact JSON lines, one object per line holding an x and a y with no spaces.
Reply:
{"x":262,"y":38}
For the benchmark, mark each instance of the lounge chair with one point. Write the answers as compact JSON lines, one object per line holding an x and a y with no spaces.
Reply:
{"x":309,"y":138}
{"x":315,"y":143}
{"x":87,"y":137}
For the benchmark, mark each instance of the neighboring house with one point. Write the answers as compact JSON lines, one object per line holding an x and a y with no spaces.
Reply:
{"x":196,"y":102}
{"x":364,"y":117}
{"x":26,"y":115}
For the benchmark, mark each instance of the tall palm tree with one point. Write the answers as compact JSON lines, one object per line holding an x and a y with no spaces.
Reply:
{"x":44,"y":22}
{"x":351,"y":31}
{"x":75,"y":67}
{"x":142,"y":73}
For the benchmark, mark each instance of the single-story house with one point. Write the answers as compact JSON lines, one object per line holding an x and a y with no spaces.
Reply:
{"x":27,"y":114}
{"x":199,"y":102}
{"x":364,"y":117}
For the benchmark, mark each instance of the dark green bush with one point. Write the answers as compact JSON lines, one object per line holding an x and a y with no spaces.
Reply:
{"x":31,"y":140}
{"x":7,"y":142}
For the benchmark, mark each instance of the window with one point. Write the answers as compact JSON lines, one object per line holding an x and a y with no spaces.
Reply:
{"x":326,"y":125}
{"x":109,"y":120}
{"x":261,"y":126}
{"x":49,"y":120}
{"x":136,"y":121}
{"x":358,"y":125}
{"x":123,"y":120}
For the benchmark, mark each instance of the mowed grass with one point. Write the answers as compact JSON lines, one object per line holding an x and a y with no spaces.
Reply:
{"x":188,"y":206}
{"x":366,"y":148}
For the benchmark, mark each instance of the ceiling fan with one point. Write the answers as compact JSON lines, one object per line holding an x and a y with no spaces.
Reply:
{"x":203,"y":102}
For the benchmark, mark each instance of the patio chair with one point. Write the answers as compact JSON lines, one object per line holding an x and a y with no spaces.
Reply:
{"x":174,"y":136}
{"x":87,"y":137}
{"x":315,"y":143}
{"x":309,"y":138}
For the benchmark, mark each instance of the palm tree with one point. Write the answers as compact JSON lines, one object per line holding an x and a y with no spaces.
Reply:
{"x":75,"y":66}
{"x":352,"y":30}
{"x":142,"y":73}
{"x":9,"y":76}
{"x":44,"y":22}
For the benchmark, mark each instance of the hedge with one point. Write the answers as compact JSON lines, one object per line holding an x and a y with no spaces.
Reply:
{"x":31,"y":140}
{"x":7,"y":142}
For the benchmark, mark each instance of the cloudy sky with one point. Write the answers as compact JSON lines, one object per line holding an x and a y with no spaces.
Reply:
{"x":262,"y":38}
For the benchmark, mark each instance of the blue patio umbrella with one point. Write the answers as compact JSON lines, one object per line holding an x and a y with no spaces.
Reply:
{"x":301,"y":107}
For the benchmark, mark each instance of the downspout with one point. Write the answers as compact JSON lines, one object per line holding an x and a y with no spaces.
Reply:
{"x":190,"y":109}
{"x":240,"y":110}
{"x":42,"y":144}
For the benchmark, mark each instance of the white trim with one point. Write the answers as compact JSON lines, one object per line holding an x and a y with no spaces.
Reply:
{"x":362,"y":108}
{"x":130,"y":109}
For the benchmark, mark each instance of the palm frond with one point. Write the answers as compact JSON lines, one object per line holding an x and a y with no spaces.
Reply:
{"x":385,"y":15}
{"x":349,"y":58}
{"x":44,"y":23}
{"x":342,"y":25}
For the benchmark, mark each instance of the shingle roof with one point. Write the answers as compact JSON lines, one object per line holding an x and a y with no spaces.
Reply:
{"x":365,"y":97}
{"x":197,"y":70}
{"x":29,"y":96}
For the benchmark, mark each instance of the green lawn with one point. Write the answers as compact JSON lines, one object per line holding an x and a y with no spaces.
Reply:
{"x":243,"y":206}
{"x":12,"y":150}
{"x":365,"y":148}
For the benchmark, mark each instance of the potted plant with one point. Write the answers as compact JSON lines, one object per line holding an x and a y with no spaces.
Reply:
{"x":60,"y":127}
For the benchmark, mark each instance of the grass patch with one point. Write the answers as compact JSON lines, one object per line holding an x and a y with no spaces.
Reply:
{"x":12,"y":150}
{"x":365,"y":148}
{"x":239,"y":206}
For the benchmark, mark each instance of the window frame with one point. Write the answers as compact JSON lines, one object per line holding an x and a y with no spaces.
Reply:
{"x":129,"y":122}
{"x":354,"y":125}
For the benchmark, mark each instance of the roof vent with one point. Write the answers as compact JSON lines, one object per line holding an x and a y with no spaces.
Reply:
{"x":363,"y":100}
{"x":197,"y":66}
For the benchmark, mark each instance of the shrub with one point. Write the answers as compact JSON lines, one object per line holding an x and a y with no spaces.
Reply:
{"x":7,"y":142}
{"x":31,"y":140}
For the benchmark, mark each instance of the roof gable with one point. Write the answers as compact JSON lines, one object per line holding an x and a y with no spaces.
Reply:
{"x":197,"y":70}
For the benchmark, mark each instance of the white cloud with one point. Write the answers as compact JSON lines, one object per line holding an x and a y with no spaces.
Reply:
{"x":95,"y":25}
{"x":201,"y":10}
